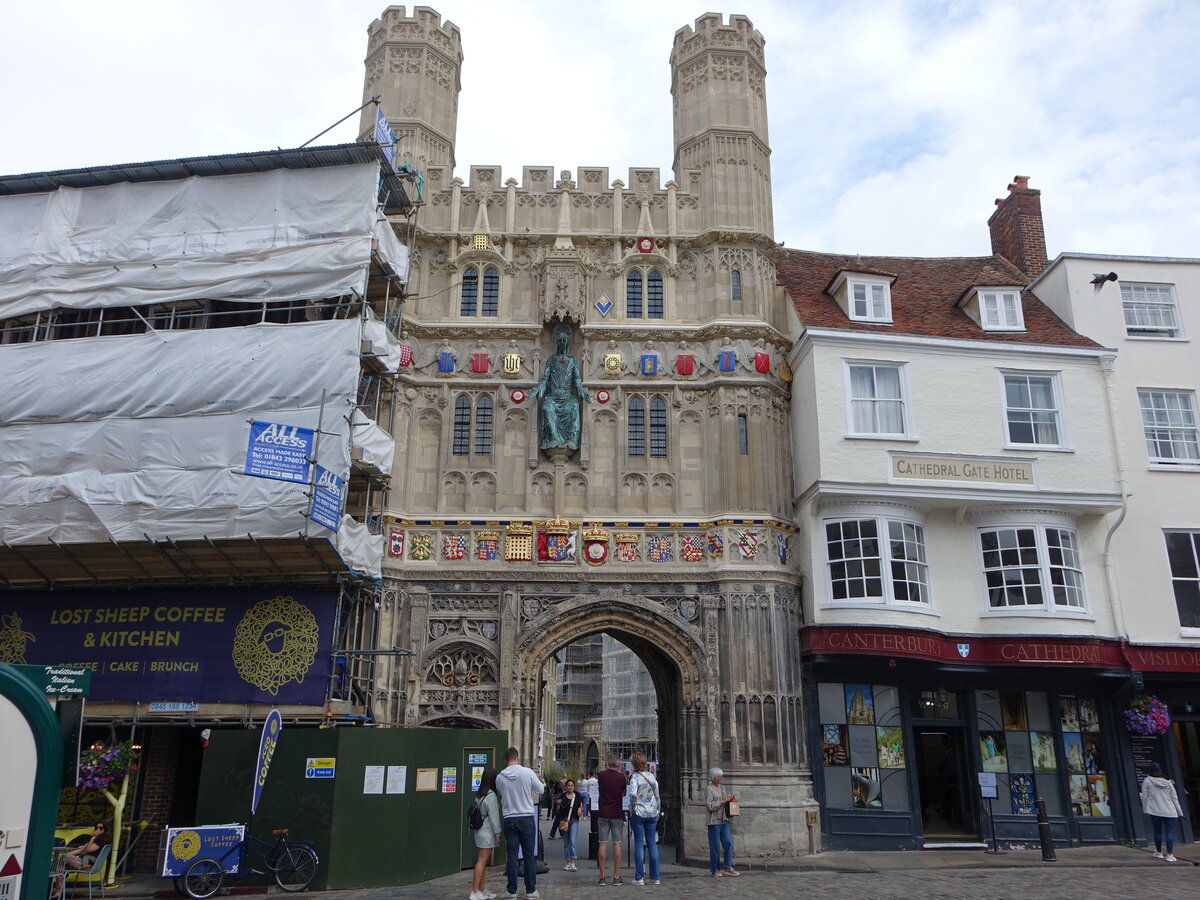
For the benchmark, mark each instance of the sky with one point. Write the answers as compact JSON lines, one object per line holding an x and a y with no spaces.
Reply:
{"x":893,"y":125}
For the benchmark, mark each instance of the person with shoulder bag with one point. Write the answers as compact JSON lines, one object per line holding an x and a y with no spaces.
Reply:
{"x":645,"y":806}
{"x":567,"y":813}
{"x":1161,"y":803}
{"x":486,"y":812}
{"x":720,"y":833}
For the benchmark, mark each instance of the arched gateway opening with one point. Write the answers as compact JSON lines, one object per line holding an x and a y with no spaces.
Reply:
{"x":719,"y":653}
{"x":671,"y":656}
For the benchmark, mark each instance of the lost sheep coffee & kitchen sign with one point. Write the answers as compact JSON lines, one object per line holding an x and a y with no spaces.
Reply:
{"x":233,"y":646}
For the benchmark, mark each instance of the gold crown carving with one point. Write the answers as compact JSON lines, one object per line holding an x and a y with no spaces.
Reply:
{"x":626,"y":537}
{"x":519,"y":529}
{"x":487,"y":535}
{"x":595,"y":533}
{"x":558,"y":526}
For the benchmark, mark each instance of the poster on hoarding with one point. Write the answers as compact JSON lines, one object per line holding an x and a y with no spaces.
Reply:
{"x":281,"y":452}
{"x":327,"y":499}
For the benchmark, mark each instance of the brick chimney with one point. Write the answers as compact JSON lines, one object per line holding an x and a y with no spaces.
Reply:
{"x":1016,"y":227}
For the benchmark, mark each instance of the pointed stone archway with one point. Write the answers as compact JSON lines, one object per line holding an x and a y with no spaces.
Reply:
{"x":722,"y":653}
{"x":672,"y":653}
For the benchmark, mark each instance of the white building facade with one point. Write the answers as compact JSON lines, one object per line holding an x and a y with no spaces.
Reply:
{"x":1148,"y":309}
{"x":956,"y":482}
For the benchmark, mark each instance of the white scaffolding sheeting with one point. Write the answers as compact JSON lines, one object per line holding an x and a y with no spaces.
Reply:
{"x":381,"y":341}
{"x":375,"y":446}
{"x":280,"y":235}
{"x":136,"y":436}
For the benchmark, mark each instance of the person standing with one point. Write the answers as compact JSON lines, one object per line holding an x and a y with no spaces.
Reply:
{"x":517,"y":786}
{"x":568,"y":811}
{"x":588,"y":788}
{"x":645,"y":805}
{"x":611,"y":817}
{"x":1161,"y":803}
{"x":487,"y":836}
{"x":720,"y":833}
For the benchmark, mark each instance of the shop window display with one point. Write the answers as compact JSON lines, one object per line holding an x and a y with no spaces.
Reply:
{"x":1018,"y":741}
{"x":863,"y":753}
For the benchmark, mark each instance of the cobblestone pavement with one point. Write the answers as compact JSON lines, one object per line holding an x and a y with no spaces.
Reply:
{"x":1137,"y":881}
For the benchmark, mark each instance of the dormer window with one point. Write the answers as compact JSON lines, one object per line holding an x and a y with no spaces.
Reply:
{"x":1000,"y":310}
{"x":994,"y":308}
{"x":870,"y":301}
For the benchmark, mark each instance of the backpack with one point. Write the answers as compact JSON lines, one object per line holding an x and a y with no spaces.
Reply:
{"x":475,"y":816}
{"x":645,"y":799}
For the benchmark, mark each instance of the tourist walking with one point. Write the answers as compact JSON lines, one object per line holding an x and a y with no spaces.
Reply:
{"x":1161,"y":803}
{"x":567,"y":812}
{"x":645,"y":805}
{"x":720,"y":833}
{"x":611,"y":817}
{"x":487,"y":836}
{"x":517,"y":786}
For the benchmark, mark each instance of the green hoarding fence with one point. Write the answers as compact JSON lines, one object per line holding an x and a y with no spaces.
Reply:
{"x":382,"y":806}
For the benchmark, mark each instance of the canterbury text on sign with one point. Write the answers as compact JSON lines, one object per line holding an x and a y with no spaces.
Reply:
{"x":999,"y":651}
{"x":966,"y":469}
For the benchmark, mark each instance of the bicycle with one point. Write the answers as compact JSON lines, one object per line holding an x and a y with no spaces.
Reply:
{"x":293,"y":863}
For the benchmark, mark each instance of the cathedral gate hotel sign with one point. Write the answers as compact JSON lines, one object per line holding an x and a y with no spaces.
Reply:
{"x":221,"y":646}
{"x":1019,"y":473}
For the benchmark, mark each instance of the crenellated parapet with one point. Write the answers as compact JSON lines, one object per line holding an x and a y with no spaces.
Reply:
{"x":711,"y":33}
{"x":413,"y":64}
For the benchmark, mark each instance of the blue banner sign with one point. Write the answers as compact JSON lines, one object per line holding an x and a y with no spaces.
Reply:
{"x":383,"y":134}
{"x":220,"y":842}
{"x":254,"y":645}
{"x":327,"y":499}
{"x":278,"y":451}
{"x":266,"y":752}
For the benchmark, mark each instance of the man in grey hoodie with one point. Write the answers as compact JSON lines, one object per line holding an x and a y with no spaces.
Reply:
{"x":517,"y":786}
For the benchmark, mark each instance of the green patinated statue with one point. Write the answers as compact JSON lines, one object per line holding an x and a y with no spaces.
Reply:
{"x":559,"y":393}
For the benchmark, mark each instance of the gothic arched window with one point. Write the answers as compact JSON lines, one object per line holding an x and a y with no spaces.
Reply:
{"x":483,"y":426}
{"x":633,"y":295}
{"x":658,"y":428}
{"x":462,"y":425}
{"x":469,"y":291}
{"x":644,"y":294}
{"x":491,"y":292}
{"x":466,"y":425}
{"x":735,"y":284}
{"x":639,"y":432}
{"x":636,"y":430}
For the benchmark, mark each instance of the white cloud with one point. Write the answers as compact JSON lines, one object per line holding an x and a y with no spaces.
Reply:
{"x":893,"y":124}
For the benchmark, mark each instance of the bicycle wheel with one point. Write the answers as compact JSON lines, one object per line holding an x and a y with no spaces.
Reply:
{"x":202,"y":878}
{"x":296,"y":868}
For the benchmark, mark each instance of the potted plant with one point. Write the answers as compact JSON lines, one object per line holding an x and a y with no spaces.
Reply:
{"x":1147,"y":715}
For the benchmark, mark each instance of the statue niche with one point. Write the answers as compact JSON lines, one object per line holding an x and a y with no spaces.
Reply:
{"x":559,"y":395}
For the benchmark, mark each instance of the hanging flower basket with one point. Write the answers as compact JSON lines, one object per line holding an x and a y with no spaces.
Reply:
{"x":1147,"y":715}
{"x":100,"y":766}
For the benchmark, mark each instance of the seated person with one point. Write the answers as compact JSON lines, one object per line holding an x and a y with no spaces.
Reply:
{"x":84,"y":856}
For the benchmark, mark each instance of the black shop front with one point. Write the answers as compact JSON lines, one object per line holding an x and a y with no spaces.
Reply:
{"x":921,"y":739}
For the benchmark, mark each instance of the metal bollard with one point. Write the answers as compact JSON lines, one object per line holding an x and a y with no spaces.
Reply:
{"x":1044,"y":836}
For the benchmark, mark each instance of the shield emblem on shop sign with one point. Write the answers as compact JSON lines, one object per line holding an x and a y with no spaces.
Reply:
{"x":964,"y":650}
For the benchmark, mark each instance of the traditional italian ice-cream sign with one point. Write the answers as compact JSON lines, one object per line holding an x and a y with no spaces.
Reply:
{"x":968,"y":469}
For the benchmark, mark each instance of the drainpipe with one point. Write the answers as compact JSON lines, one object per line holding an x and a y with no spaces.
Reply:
{"x":1107,"y":364}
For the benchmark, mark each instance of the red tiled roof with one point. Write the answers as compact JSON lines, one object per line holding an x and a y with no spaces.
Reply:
{"x":924,"y":295}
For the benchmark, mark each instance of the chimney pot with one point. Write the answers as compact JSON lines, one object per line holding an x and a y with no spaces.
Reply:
{"x":1016,"y":228}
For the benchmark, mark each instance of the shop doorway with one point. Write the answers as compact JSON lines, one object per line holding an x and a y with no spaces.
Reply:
{"x":943,"y":782}
{"x":1187,"y":740}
